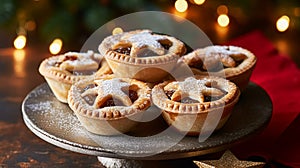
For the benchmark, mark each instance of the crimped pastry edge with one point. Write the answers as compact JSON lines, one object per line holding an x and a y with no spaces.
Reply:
{"x":160,"y":99}
{"x":246,"y":65}
{"x":177,"y":50}
{"x":155,"y":60}
{"x":65,"y":76}
{"x":79,"y":106}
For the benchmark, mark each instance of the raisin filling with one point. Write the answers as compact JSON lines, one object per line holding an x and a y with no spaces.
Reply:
{"x":197,"y":65}
{"x":123,"y":50}
{"x":71,"y":58}
{"x":111,"y":102}
{"x":166,"y":44}
{"x":133,"y":95}
{"x":169,"y":93}
{"x":211,"y":98}
{"x":237,"y":63}
{"x":187,"y":100}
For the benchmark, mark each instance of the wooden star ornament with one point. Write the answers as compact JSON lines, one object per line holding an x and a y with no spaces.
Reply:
{"x":228,"y":160}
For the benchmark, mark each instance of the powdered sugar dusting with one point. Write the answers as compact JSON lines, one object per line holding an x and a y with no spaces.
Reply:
{"x":56,"y":118}
{"x":47,"y":112}
{"x":84,"y":61}
{"x":40,"y":106}
{"x":39,"y":91}
{"x":192,"y":86}
{"x":78,"y":61}
{"x":224,"y":50}
{"x":144,"y":39}
{"x":112,"y":87}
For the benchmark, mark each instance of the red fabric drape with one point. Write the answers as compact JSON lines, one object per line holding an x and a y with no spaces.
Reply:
{"x":280,"y":78}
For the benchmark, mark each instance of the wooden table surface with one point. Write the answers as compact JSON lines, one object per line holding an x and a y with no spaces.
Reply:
{"x":19,"y":147}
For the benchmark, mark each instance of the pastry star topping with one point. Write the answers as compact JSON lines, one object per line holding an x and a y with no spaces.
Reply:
{"x":107,"y":89}
{"x":194,"y":89}
{"x":224,"y":54}
{"x":228,"y":160}
{"x":73,"y":61}
{"x":144,"y":39}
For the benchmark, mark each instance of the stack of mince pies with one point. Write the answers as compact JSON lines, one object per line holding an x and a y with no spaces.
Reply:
{"x":110,"y":91}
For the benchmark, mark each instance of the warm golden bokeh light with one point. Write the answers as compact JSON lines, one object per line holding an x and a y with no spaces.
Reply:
{"x":117,"y":30}
{"x":199,"y":2}
{"x":55,"y":46}
{"x":19,"y":58}
{"x":222,"y":9}
{"x":181,"y":5}
{"x":283,"y":23}
{"x":20,"y":42}
{"x":223,"y":20}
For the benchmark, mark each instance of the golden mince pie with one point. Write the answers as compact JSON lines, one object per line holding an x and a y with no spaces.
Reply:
{"x":141,"y":54}
{"x":192,"y":105}
{"x":109,"y":106}
{"x":62,"y":71}
{"x":231,"y":62}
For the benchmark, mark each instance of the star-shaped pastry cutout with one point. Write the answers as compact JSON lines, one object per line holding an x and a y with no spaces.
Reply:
{"x":144,"y":39}
{"x":73,"y":61}
{"x":221,"y":54}
{"x":107,"y":89}
{"x":228,"y":160}
{"x":194,"y":89}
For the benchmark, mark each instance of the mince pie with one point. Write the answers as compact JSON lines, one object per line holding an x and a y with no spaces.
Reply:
{"x":108,"y":105}
{"x":141,"y":54}
{"x":62,"y":71}
{"x":231,"y":62}
{"x":187,"y":104}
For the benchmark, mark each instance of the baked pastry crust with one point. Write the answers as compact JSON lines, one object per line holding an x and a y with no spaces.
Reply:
{"x":189,"y":115}
{"x":232,"y":62}
{"x":63,"y":70}
{"x":103,"y":106}
{"x":128,"y":54}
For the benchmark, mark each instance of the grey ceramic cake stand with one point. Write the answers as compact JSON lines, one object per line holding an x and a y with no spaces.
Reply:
{"x":149,"y":143}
